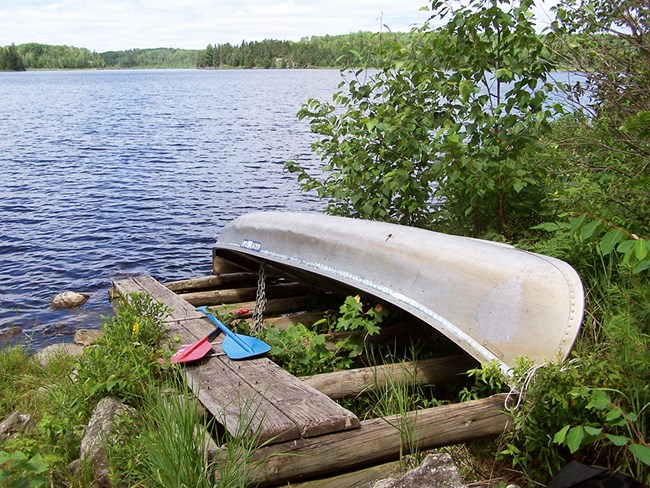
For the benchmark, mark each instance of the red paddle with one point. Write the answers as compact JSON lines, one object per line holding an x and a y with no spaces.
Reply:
{"x":199,"y":349}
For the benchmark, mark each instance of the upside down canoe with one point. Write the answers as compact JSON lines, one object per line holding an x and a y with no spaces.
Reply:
{"x":495,"y":301}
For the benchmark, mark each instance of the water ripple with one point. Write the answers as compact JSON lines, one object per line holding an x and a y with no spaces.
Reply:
{"x":108,"y":173}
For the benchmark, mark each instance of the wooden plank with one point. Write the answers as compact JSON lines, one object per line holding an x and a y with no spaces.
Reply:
{"x":312,"y":411}
{"x":181,"y":309}
{"x":254,"y":396}
{"x":212,"y":281}
{"x":242,"y":409}
{"x":377,"y":440}
{"x":350,"y":383}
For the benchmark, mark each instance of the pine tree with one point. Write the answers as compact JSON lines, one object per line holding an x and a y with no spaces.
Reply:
{"x":10,"y":60}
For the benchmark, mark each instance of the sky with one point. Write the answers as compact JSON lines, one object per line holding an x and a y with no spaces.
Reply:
{"x":101,"y":25}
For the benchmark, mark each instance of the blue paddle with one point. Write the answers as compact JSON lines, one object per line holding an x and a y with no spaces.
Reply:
{"x":237,"y":346}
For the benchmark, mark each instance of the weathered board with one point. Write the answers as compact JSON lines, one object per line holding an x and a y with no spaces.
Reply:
{"x":353,"y":382}
{"x":234,"y":295}
{"x":252,"y":397}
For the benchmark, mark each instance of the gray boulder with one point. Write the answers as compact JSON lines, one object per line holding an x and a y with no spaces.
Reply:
{"x":44,"y":356}
{"x":97,"y":436}
{"x":13,"y":425}
{"x":68,"y":299}
{"x":85,"y":337}
{"x":438,"y":470}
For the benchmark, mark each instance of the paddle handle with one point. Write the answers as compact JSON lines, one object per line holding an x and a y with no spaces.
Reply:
{"x":225,"y":329}
{"x":231,"y":334}
{"x":237,"y":313}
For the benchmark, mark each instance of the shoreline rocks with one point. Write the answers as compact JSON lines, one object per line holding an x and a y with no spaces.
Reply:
{"x":14,"y":425}
{"x":68,"y":300}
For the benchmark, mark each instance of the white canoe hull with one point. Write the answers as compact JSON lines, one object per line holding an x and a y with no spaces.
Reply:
{"x":495,"y":301}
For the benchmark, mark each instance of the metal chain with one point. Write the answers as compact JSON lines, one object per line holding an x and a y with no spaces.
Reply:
{"x":260,"y":300}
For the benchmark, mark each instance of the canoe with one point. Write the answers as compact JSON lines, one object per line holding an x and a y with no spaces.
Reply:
{"x":495,"y":301}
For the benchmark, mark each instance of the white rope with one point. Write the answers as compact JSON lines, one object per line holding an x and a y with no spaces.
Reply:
{"x":521,"y":390}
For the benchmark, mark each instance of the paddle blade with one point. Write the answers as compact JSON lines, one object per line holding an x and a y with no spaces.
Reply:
{"x":244,"y":347}
{"x":192,"y":352}
{"x":237,"y":346}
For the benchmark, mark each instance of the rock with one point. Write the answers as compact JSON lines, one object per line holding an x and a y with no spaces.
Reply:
{"x":10,"y":332}
{"x":13,"y":425}
{"x":436,"y":471}
{"x":98,"y":434}
{"x":68,"y":299}
{"x":44,"y":356}
{"x":85,"y":337}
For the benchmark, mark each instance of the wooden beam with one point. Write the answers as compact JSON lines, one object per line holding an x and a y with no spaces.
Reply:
{"x":212,"y":281}
{"x":377,"y":440}
{"x":274,"y":306}
{"x":350,"y":383}
{"x":222,"y":266}
{"x":355,"y":479}
{"x":233,"y":295}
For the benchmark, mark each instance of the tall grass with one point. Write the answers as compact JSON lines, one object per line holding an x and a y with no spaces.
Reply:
{"x":237,"y":464}
{"x":165,"y":446}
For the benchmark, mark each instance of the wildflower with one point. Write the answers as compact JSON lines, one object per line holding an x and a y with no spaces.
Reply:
{"x":135,"y":329}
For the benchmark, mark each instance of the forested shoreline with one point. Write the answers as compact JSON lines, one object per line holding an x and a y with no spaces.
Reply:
{"x":310,"y":52}
{"x":331,"y":51}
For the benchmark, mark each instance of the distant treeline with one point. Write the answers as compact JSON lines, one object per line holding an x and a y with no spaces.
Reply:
{"x":315,"y":51}
{"x":44,"y":56}
{"x":312,"y":52}
{"x":151,"y":58}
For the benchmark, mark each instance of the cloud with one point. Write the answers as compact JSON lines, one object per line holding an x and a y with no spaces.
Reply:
{"x":110,"y":25}
{"x":123,"y":24}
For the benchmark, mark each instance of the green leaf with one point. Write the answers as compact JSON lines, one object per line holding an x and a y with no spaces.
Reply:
{"x":641,"y":453}
{"x":37,"y":464}
{"x":574,"y":438}
{"x":613,"y":414}
{"x":503,"y":74}
{"x":640,"y":249}
{"x":589,"y":229}
{"x":519,"y":185}
{"x":576,"y":223}
{"x":599,"y":399}
{"x":617,"y":440}
{"x":593,"y":431}
{"x":626,"y":246}
{"x":560,"y":435}
{"x":609,"y":241}
{"x":465,"y":89}
{"x":641,"y":266}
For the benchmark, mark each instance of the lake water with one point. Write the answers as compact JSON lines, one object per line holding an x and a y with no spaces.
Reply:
{"x":108,"y":173}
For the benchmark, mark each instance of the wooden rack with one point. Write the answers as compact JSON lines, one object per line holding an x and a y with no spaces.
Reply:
{"x":302,"y":431}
